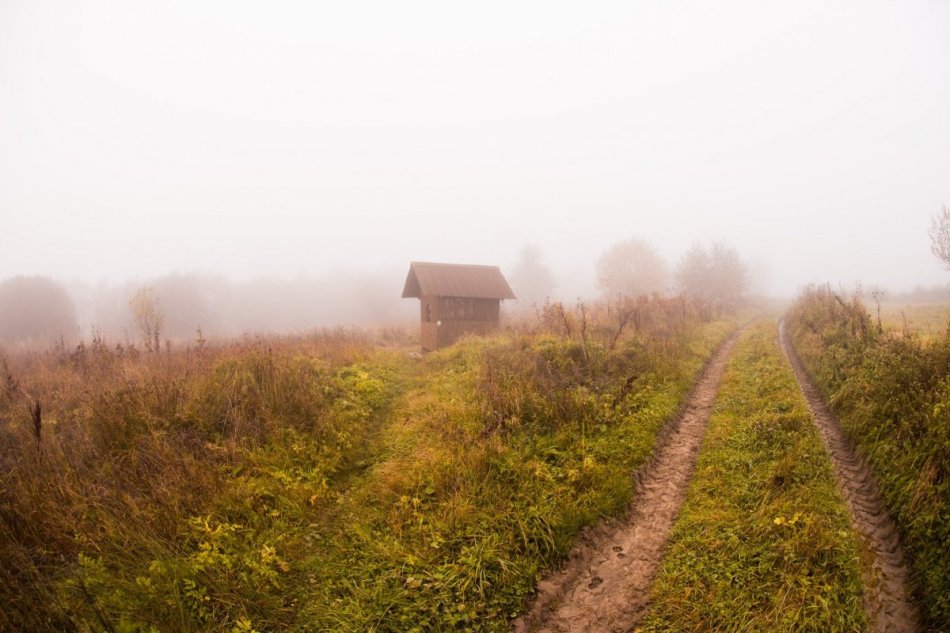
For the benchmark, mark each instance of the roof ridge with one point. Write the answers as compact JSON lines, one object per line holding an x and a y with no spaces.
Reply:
{"x":451,"y":264}
{"x":456,"y":280}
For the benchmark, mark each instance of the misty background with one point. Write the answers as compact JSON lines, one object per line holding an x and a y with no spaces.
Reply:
{"x":283,"y":164}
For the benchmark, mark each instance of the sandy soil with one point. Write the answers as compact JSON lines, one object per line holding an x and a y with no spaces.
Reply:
{"x":604,"y":586}
{"x":886,"y":582}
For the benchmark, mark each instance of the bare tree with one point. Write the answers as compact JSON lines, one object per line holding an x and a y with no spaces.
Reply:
{"x":631,"y":268}
{"x":877,"y":293}
{"x":940,"y":236}
{"x":149,"y":317}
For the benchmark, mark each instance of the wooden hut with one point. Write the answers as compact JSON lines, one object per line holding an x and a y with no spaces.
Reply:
{"x":455,"y":299}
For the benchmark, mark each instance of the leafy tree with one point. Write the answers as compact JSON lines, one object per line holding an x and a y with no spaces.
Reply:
{"x":35,"y":309}
{"x":631,"y":267}
{"x":531,"y":279}
{"x":716,"y":275}
{"x":694,"y":272}
{"x":940,"y":236}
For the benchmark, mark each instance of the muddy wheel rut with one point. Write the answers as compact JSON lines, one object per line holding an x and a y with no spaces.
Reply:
{"x":886,"y":579}
{"x":604,"y":586}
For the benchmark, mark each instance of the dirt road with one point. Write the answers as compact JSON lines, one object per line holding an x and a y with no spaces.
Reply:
{"x":605,"y":584}
{"x":886,"y":584}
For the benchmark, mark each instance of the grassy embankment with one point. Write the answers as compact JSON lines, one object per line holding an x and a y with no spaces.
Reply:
{"x":892,"y":396}
{"x":325,"y":485}
{"x":762,"y":542}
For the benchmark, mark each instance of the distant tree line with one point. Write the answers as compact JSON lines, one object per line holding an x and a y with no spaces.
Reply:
{"x":179,"y":307}
{"x":36,"y":310}
{"x":715,"y":274}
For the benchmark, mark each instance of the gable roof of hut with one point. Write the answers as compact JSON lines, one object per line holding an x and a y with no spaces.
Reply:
{"x":456,"y":280}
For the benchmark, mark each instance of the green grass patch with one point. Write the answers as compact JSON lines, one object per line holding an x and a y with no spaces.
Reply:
{"x":165,"y":490}
{"x":323,"y":484}
{"x":496,"y":463}
{"x":892,"y":397}
{"x":762,"y":542}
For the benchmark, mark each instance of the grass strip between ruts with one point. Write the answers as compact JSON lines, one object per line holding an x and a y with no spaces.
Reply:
{"x":763,"y":541}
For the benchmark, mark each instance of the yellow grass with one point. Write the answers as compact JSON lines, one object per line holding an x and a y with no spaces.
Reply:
{"x":927,"y":320}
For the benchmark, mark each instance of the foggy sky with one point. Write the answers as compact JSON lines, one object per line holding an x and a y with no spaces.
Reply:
{"x":253,"y":139}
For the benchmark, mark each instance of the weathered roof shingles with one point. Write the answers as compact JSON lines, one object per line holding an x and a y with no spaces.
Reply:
{"x":456,"y":280}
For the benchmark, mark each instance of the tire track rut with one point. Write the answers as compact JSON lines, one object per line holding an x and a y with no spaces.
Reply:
{"x":886,"y":579}
{"x":604,"y":586}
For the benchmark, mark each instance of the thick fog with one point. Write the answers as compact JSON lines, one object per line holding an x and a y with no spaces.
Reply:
{"x":328,"y":144}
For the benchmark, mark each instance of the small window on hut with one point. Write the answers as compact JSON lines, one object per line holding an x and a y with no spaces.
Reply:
{"x":428,"y":311}
{"x":459,"y":308}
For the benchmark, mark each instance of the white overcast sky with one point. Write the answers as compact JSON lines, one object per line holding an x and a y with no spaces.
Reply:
{"x":278,"y":138}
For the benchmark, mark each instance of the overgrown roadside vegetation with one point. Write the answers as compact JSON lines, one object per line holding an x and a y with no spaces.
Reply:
{"x":509,"y":447}
{"x":763,"y":541}
{"x":324,"y":484}
{"x":892,"y":396}
{"x":156,"y":491}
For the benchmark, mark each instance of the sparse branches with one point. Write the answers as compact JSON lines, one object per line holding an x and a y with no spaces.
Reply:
{"x":149,"y":317}
{"x":555,"y":318}
{"x":628,"y":313}
{"x":878,"y":294}
{"x":583,"y":312}
{"x":624,"y":312}
{"x":200,"y":340}
{"x":940,"y":236}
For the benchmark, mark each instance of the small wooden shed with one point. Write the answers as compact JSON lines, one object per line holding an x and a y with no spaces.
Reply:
{"x":455,"y":299}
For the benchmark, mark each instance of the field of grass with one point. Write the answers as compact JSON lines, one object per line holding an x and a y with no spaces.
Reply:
{"x":892,"y":396}
{"x":926,"y":320}
{"x":762,"y":542}
{"x":157,"y":490}
{"x":322,"y":483}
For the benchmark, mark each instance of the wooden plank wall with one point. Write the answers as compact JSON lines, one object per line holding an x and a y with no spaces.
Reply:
{"x":458,"y":316}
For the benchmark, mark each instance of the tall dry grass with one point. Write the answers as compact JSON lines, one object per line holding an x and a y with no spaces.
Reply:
{"x":272,"y":483}
{"x":105,"y":449}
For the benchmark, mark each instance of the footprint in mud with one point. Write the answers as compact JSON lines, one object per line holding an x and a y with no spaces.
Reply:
{"x":595,"y":582}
